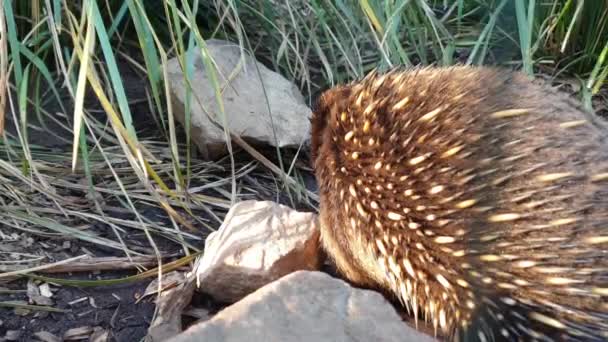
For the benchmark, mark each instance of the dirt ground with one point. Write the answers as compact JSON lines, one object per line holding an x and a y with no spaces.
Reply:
{"x":113,"y":309}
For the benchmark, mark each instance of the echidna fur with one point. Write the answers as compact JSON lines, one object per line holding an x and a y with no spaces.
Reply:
{"x":476,"y":196}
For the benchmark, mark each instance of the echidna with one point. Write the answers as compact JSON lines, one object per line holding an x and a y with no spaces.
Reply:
{"x":475,"y":195}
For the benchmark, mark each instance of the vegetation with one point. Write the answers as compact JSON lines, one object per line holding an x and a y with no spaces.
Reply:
{"x":78,"y":79}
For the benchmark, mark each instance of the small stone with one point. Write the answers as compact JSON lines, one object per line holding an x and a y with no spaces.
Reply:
{"x":27,"y":242}
{"x":42,"y":314}
{"x":13,"y":335}
{"x":41,"y":300}
{"x":45,"y":290}
{"x":21,"y":311}
{"x":78,"y":333}
{"x":257,"y":243}
{"x":32,"y":290}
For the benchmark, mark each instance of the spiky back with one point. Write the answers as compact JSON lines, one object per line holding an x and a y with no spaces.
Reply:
{"x":477,"y":197}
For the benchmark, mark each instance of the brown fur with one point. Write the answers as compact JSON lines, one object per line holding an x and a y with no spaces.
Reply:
{"x":492,"y":210}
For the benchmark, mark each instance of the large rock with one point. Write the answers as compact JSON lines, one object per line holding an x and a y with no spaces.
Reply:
{"x":306,"y":306}
{"x":258,"y":242}
{"x":246,"y":104}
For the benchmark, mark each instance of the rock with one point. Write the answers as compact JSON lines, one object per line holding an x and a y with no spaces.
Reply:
{"x":258,"y":242}
{"x":41,"y":300}
{"x":244,"y":98}
{"x":306,"y":306}
{"x":13,"y":335}
{"x":170,"y":305}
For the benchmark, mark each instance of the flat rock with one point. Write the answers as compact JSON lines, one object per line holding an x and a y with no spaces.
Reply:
{"x":306,"y":306}
{"x":256,"y":100}
{"x":258,"y":242}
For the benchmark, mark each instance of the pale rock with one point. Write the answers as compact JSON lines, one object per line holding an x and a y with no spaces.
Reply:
{"x":45,"y":290}
{"x":306,"y":306}
{"x":79,"y":333}
{"x":13,"y":335}
{"x":249,"y":90}
{"x":175,"y":296}
{"x":258,"y":242}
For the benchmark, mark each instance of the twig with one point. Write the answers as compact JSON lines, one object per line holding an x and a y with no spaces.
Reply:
{"x":103,"y":264}
{"x":42,"y":267}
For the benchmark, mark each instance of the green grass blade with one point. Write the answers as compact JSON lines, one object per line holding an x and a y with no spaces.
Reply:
{"x":110,"y":62}
{"x":151,"y":59}
{"x":525,"y":33}
{"x":118,"y":18}
{"x":594,"y":82}
{"x":13,"y":40}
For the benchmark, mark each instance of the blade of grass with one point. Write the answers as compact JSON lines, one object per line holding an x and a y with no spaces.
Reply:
{"x":594,"y":82}
{"x":151,"y":60}
{"x":114,"y":73}
{"x":89,"y":44}
{"x":118,"y":18}
{"x":525,"y":34}
{"x":130,"y":279}
{"x":484,"y":37}
{"x":577,"y":11}
{"x":3,"y":68}
{"x":211,"y":71}
{"x":60,"y":228}
{"x":16,"y":305}
{"x":13,"y":40}
{"x":23,"y":92}
{"x":369,"y":12}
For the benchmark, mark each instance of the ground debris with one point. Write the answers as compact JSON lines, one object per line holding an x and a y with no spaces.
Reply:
{"x":170,"y":305}
{"x":79,"y":333}
{"x":46,"y":336}
{"x":13,"y":335}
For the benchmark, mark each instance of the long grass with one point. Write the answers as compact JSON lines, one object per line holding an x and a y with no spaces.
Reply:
{"x":62,"y":76}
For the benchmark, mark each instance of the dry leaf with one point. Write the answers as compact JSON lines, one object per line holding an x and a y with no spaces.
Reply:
{"x":78,"y":333}
{"x":46,"y":336}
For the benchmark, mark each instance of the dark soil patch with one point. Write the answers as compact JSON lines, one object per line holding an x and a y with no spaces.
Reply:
{"x":112,"y":308}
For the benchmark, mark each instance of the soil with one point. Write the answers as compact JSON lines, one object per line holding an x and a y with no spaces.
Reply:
{"x":113,"y":308}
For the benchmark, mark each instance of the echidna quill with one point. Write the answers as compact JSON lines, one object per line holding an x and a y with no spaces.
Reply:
{"x":477,"y":197}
